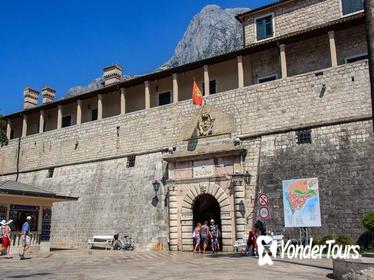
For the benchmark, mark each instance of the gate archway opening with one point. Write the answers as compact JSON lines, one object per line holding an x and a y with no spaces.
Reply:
{"x":205,"y":208}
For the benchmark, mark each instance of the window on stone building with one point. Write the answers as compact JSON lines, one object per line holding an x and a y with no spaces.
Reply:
{"x":264,"y":27}
{"x":94,"y":115}
{"x":267,"y":78}
{"x":351,"y":6}
{"x":304,"y":136}
{"x":3,"y":212}
{"x":164,"y":98}
{"x":18,"y":214}
{"x":66,"y":121}
{"x":212,"y":87}
{"x":355,"y":58}
{"x":50,"y":173}
{"x":130,"y":161}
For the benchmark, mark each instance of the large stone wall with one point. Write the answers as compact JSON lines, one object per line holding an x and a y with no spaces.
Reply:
{"x":90,"y":159}
{"x":341,"y":156}
{"x":112,"y":198}
{"x":333,"y":94}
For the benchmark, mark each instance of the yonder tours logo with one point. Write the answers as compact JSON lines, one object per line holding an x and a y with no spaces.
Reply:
{"x":267,"y":246}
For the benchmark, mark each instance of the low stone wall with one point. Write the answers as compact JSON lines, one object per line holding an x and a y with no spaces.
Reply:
{"x":360,"y":269}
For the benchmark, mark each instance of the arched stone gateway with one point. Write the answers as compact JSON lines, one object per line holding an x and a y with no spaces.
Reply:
{"x":181,"y":226}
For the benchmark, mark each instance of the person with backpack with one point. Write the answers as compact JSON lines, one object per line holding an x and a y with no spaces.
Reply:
{"x":204,"y":235}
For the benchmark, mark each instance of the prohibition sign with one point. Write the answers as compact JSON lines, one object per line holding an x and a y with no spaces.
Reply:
{"x":263,"y":199}
{"x":264,"y":213}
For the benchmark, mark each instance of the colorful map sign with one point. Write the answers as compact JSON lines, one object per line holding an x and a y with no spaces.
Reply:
{"x":301,"y":203}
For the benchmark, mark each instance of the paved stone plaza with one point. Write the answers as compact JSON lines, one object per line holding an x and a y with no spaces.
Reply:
{"x":99,"y":264}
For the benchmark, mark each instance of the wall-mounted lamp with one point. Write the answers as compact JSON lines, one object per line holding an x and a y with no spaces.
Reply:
{"x":156,"y":186}
{"x":247,"y":177}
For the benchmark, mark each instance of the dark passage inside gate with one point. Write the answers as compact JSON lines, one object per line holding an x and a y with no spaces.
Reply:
{"x":205,"y":208}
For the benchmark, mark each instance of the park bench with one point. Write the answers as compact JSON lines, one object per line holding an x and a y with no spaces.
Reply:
{"x":101,"y":241}
{"x":241,"y":244}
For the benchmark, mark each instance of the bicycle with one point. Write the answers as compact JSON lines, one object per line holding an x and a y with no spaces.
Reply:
{"x":123,"y":242}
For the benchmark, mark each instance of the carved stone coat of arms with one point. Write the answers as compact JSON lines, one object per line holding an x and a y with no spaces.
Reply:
{"x":205,"y":124}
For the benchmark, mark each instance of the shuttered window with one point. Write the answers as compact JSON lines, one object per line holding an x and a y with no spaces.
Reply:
{"x":351,"y":6}
{"x":264,"y":28}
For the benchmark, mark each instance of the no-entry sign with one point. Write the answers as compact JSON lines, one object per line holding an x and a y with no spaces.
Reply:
{"x":264,"y":213}
{"x":263,"y":199}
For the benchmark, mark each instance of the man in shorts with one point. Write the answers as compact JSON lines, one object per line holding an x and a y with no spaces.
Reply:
{"x":214,"y":235}
{"x":25,"y":238}
{"x":204,"y":235}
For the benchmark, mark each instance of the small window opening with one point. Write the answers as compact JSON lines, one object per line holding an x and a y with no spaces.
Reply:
{"x":51,"y":171}
{"x":304,"y":136}
{"x":130,"y":161}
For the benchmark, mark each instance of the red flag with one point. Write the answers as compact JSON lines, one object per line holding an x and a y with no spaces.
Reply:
{"x":197,"y":96}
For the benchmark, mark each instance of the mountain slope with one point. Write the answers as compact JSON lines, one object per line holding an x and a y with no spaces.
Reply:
{"x":211,"y":32}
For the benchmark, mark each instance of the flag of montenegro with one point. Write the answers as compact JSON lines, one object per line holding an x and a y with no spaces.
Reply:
{"x":197,"y":96}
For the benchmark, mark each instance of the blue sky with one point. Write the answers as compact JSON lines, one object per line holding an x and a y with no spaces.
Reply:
{"x":65,"y":43}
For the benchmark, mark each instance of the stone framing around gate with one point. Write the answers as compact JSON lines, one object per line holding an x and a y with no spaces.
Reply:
{"x":181,"y":214}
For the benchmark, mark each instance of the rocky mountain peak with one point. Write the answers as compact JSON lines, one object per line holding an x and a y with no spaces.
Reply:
{"x":211,"y":32}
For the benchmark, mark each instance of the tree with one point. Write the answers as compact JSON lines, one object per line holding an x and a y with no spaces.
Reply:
{"x":369,"y":15}
{"x":3,"y":137}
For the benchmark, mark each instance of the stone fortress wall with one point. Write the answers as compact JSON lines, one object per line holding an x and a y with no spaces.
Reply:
{"x":90,"y":159}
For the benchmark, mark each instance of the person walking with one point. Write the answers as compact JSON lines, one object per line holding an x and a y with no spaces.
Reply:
{"x":25,"y":237}
{"x":197,"y":238}
{"x":204,"y":235}
{"x":251,"y":244}
{"x":6,"y":241}
{"x":214,"y":235}
{"x":2,"y":226}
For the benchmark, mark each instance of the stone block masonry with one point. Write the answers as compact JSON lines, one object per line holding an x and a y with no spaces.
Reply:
{"x":317,"y":97}
{"x":295,"y":16}
{"x":341,"y":156}
{"x":112,"y":198}
{"x":90,"y":159}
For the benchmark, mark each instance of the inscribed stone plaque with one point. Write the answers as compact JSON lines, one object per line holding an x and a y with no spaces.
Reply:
{"x":203,"y":168}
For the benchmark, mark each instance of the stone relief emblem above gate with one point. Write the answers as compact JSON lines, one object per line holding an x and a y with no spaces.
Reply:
{"x":205,"y":124}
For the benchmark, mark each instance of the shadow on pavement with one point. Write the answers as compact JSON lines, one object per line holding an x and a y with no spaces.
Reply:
{"x":61,"y":249}
{"x":29,"y":275}
{"x":305,"y":264}
{"x":226,"y":255}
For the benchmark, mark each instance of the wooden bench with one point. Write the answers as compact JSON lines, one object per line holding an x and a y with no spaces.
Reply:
{"x":101,"y":241}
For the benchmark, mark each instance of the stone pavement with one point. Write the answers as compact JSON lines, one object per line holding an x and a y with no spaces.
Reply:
{"x":100,"y":264}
